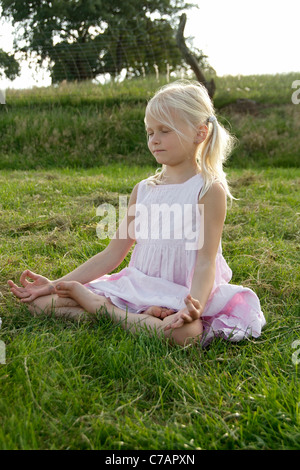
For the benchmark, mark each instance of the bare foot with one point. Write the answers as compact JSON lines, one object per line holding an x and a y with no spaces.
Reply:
{"x":159,"y":312}
{"x":92,"y":302}
{"x":83,"y":296}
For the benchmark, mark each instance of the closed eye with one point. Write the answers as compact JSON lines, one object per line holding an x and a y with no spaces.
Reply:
{"x":163,"y":131}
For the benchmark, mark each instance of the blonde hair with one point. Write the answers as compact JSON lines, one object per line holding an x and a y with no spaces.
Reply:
{"x":191,"y":100}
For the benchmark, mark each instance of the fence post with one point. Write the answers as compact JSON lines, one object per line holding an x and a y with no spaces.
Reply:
{"x":2,"y":97}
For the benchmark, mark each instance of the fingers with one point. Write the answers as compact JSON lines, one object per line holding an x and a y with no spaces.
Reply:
{"x":22,"y":295}
{"x":192,"y":312}
{"x":166,"y":312}
{"x":63,"y":293}
{"x":194,"y":302}
{"x":177,"y":324}
{"x":28,"y":299}
{"x":194,"y":307}
{"x":179,"y":321}
{"x":12,"y":284}
{"x":23,"y":280}
{"x":63,"y":290}
{"x":19,"y":292}
{"x":25,"y":274}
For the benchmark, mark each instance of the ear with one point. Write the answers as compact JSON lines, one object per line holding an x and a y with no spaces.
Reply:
{"x":201,"y":134}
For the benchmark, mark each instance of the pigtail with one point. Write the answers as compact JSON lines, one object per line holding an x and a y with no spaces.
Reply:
{"x":213,"y":153}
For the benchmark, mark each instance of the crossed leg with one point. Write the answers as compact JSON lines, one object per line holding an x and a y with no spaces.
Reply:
{"x":75,"y":300}
{"x":54,"y":305}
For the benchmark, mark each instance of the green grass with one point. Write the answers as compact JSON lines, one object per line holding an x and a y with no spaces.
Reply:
{"x":69,"y":385}
{"x":90,"y":125}
{"x":83,"y":386}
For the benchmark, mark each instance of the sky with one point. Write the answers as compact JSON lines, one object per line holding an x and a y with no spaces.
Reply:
{"x":240,"y":37}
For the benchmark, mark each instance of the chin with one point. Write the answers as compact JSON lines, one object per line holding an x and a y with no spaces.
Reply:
{"x":159,"y":158}
{"x":160,"y":161}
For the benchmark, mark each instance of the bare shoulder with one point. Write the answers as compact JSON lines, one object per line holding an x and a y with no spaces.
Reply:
{"x":216,"y":193}
{"x":133,"y":195}
{"x":215,"y":200}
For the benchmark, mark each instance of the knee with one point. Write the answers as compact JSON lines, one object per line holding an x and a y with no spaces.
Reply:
{"x":188,"y":333}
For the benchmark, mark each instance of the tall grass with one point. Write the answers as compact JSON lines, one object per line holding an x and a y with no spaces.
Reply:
{"x":90,"y":125}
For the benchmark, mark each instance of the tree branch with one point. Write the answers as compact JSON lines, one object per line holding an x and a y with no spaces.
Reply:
{"x":190,"y":59}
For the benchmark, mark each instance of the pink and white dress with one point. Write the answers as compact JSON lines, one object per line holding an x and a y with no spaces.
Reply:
{"x":168,"y":233}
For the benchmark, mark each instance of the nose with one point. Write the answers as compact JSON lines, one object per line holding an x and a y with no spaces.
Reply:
{"x":155,"y":138}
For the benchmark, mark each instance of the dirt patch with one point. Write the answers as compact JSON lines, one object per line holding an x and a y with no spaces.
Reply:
{"x":245,"y":180}
{"x":246,"y":106}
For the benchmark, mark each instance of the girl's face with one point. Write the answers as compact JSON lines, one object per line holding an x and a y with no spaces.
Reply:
{"x":166,"y":146}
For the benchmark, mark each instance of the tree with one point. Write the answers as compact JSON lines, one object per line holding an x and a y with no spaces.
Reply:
{"x":81,"y":39}
{"x":8,"y":65}
{"x":192,"y":60}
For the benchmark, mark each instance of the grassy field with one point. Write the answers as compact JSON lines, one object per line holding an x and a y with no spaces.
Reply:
{"x":71,"y":385}
{"x":83,"y":126}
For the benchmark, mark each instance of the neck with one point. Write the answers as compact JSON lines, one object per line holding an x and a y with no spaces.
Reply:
{"x":179,"y":175}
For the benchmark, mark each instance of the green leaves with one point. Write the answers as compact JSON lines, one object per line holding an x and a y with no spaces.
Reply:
{"x":83,"y":39}
{"x":8,"y":65}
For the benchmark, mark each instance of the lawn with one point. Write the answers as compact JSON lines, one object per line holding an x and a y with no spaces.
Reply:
{"x":67,"y":385}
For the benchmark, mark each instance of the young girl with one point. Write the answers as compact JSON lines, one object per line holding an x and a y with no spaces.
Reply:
{"x":177,"y":281}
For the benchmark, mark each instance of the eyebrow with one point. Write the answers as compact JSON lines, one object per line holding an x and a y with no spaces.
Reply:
{"x":161,"y":126}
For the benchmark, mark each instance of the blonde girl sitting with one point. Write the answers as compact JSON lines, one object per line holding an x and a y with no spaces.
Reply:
{"x":177,"y":281}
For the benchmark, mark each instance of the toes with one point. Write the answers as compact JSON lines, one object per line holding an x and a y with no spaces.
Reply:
{"x":156,"y":311}
{"x":166,"y":312}
{"x":153,"y":311}
{"x":159,"y":312}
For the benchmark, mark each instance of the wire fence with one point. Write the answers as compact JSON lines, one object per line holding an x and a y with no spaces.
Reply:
{"x":138,"y":49}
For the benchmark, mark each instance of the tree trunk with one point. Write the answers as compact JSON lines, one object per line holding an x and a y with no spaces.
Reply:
{"x":191,"y":60}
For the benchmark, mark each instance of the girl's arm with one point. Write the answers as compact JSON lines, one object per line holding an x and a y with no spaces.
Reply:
{"x":214,"y":202}
{"x":111,"y":257}
{"x":100,"y":264}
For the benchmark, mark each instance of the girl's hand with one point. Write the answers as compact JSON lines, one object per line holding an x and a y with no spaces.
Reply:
{"x":191,"y":312}
{"x":31,"y":290}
